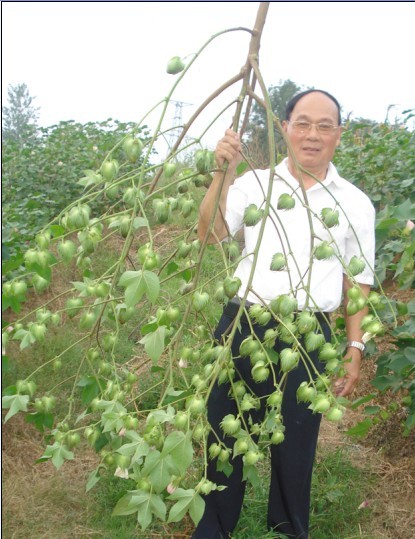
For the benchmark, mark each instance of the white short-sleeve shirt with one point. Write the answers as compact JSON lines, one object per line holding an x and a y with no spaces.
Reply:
{"x":289,"y":232}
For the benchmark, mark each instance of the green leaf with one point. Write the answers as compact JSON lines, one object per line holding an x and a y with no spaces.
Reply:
{"x":11,"y":264}
{"x":112,"y":421}
{"x":144,"y":503}
{"x":240,"y":169}
{"x":90,"y":388}
{"x":361,"y":429}
{"x":93,"y":479}
{"x":172,"y":267}
{"x":371,"y":410}
{"x":148,"y":328}
{"x":46,"y":273}
{"x":179,"y":446}
{"x":138,"y":284}
{"x":154,"y":342}
{"x":58,"y":453}
{"x":115,"y":223}
{"x":15,"y":404}
{"x":25,"y":338}
{"x":136,"y":449}
{"x":196,"y":509}
{"x":40,"y":420}
{"x":86,"y":181}
{"x":173,"y":396}
{"x":392,"y":381}
{"x":405,"y":211}
{"x":158,"y":469}
{"x":13,"y":302}
{"x":130,"y":502}
{"x":57,"y":230}
{"x":81,"y":287}
{"x":272,"y":355}
{"x":383,"y":230}
{"x":162,"y":416}
{"x":409,"y":424}
{"x":187,"y":501}
{"x":140,"y":222}
{"x":225,"y":467}
{"x":400,"y":360}
{"x":250,"y":473}
{"x":358,"y":402}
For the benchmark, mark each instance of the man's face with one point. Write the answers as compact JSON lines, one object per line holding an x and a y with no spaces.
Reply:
{"x":313,"y":149}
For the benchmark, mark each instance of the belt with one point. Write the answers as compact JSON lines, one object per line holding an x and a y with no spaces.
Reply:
{"x":232,"y":307}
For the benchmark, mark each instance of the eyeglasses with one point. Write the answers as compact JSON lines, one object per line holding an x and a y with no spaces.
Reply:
{"x":301,"y":126}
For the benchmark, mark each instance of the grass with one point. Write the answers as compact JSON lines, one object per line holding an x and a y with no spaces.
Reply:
{"x":336,"y":494}
{"x":337,"y":489}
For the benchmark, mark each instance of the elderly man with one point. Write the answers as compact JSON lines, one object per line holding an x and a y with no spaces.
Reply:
{"x":307,"y":176}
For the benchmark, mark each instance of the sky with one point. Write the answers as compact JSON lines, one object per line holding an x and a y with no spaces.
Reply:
{"x":89,"y":61}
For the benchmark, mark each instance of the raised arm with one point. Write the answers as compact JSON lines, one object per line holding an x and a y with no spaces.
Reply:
{"x":228,"y":150}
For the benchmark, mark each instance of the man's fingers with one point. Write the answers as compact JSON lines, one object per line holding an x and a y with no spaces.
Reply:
{"x":226,"y":152}
{"x":344,"y":387}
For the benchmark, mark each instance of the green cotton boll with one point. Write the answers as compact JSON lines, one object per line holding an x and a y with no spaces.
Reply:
{"x":248,"y":346}
{"x":231,"y":285}
{"x":324,"y":251}
{"x":284,"y":305}
{"x":252,"y":215}
{"x":306,"y":322}
{"x":285,"y":202}
{"x":356,"y":266}
{"x":260,"y":372}
{"x":305,"y":392}
{"x":289,"y":359}
{"x":327,"y":352}
{"x":278,"y":263}
{"x":314,"y":341}
{"x":175,"y":65}
{"x":330,"y":217}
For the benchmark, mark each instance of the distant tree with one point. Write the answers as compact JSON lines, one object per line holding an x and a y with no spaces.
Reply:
{"x":19,"y":119}
{"x":256,"y":130}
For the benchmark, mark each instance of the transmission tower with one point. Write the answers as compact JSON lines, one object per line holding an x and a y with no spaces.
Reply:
{"x":177,"y":121}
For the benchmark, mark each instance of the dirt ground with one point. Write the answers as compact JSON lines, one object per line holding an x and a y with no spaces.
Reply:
{"x":389,"y":456}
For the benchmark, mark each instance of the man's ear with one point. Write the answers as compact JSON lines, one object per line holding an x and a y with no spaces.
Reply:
{"x":339,"y":137}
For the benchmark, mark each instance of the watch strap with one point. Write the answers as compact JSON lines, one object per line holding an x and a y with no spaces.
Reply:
{"x":356,"y":344}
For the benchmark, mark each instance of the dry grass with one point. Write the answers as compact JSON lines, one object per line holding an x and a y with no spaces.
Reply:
{"x":391,"y":495}
{"x":37,"y":497}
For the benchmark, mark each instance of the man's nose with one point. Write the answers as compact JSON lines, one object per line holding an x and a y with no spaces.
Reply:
{"x":313,"y":132}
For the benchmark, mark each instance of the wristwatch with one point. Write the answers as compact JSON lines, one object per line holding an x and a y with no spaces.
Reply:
{"x":356,"y":344}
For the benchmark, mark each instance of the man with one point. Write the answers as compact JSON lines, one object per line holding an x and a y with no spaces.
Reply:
{"x":307,"y":175}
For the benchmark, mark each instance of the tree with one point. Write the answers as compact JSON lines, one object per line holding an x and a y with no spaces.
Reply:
{"x":20,"y":117}
{"x":256,"y":129}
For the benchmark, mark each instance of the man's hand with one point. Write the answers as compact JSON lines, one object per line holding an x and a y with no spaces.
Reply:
{"x":345,"y":386}
{"x":229,"y":149}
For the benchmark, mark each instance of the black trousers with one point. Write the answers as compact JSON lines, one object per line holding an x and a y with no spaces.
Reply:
{"x":291,"y":461}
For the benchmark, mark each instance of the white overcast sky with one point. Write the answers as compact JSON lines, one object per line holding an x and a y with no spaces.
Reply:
{"x":88,"y":61}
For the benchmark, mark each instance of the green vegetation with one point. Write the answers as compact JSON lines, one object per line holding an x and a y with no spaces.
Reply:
{"x":110,"y":307}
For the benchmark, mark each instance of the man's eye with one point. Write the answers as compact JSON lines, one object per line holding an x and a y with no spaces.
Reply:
{"x":325,"y":127}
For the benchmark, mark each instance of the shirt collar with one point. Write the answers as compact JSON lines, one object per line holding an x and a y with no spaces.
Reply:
{"x":282,"y":172}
